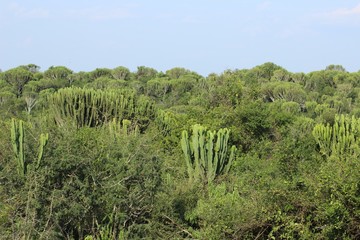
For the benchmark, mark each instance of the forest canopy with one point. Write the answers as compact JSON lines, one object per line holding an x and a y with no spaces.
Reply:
{"x":260,"y":153}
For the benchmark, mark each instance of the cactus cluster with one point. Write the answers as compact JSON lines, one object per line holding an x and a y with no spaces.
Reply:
{"x":206,"y":153}
{"x":165,"y":121}
{"x":341,"y":139}
{"x":92,"y":108}
{"x":18,"y":141}
{"x":125,"y":127}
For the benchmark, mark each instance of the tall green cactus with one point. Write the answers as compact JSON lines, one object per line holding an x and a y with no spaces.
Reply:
{"x":165,"y":121}
{"x":205,"y":156}
{"x":125,"y":127}
{"x":341,"y":139}
{"x":92,"y":108}
{"x":18,"y":141}
{"x":42,"y":143}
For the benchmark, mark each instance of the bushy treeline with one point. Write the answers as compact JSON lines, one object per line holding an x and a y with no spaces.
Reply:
{"x":259,"y":153}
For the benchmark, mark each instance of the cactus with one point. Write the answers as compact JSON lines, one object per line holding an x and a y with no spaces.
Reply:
{"x":165,"y":121}
{"x":188,"y":154}
{"x":92,"y":108}
{"x":206,"y":158}
{"x":341,"y":139}
{"x":18,"y":141}
{"x":42,"y":143}
{"x":116,"y":129}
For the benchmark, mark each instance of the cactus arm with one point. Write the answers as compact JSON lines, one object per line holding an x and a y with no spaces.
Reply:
{"x":186,"y":149}
{"x":43,"y":141}
{"x":205,"y":158}
{"x":17,"y":141}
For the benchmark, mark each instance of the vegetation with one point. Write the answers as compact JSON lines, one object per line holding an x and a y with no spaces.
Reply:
{"x":257,"y":153}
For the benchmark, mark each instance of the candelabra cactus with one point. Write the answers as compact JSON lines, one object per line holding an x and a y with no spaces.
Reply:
{"x":126,"y":127}
{"x":340,"y":139}
{"x":165,"y":121}
{"x":206,"y":153}
{"x":92,"y":108}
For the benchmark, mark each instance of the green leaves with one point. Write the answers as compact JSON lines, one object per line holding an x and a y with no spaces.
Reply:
{"x":113,"y":168}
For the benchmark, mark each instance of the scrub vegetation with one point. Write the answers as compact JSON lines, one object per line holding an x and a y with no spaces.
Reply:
{"x":259,"y":153}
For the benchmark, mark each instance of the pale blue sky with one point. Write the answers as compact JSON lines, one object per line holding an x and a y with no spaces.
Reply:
{"x":202,"y":35}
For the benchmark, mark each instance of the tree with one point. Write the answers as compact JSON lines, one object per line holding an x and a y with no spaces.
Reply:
{"x":177,"y":72}
{"x":287,"y":91}
{"x":121,"y":73}
{"x":32,"y":68}
{"x":334,"y":67}
{"x":225,"y":89}
{"x":321,"y":81}
{"x":58,"y":72}
{"x":17,"y":78}
{"x":144,"y":74}
{"x":101,"y":72}
{"x":158,"y":87}
{"x":265,"y":70}
{"x":281,"y":75}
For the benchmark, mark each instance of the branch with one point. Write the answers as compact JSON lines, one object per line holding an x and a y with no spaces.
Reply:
{"x":178,"y":226}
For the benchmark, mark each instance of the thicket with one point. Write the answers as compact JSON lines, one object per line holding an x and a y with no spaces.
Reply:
{"x":259,"y":153}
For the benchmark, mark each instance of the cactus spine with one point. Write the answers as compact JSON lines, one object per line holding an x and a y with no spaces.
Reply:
{"x":206,"y":158}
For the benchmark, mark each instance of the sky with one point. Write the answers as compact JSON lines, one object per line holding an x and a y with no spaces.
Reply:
{"x":205,"y":36}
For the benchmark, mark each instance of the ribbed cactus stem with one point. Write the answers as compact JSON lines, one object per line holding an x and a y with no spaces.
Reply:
{"x":93,"y":108}
{"x":231,"y":159}
{"x":185,"y":145}
{"x":211,"y":169}
{"x":205,"y":156}
{"x":43,"y":141}
{"x":17,"y":141}
{"x":340,"y":139}
{"x":126,"y":124}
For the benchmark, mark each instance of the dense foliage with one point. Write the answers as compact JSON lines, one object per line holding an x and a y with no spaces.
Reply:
{"x":257,"y":153}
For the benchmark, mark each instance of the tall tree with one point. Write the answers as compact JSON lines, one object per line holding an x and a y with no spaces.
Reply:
{"x":17,"y":78}
{"x":121,"y":73}
{"x":58,"y":72}
{"x":144,"y":74}
{"x":32,"y":67}
{"x":177,"y":72}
